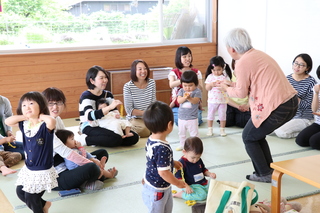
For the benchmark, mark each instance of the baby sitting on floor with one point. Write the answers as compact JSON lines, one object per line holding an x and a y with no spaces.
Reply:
{"x":67,"y":137}
{"x":112,"y":121}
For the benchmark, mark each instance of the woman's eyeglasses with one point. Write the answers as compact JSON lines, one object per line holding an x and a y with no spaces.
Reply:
{"x":59,"y":103}
{"x":296,"y":64}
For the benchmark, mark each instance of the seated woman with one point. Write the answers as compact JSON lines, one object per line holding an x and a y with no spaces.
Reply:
{"x":238,"y":110}
{"x":303,"y":83}
{"x":9,"y":144}
{"x":87,"y":174}
{"x":96,"y":80}
{"x":138,"y":94}
{"x":183,"y":62}
{"x":310,"y":136}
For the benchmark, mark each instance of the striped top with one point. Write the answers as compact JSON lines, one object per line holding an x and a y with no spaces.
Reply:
{"x":136,"y":98}
{"x":305,"y":94}
{"x":87,"y":107}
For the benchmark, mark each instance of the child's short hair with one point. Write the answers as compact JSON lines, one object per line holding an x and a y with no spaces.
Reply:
{"x":189,"y":77}
{"x":64,"y":134}
{"x":102,"y":101}
{"x":193,"y":144}
{"x":37,"y":97}
{"x":157,"y":116}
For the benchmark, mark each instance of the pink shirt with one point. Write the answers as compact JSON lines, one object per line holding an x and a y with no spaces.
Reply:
{"x":260,"y":77}
{"x":215,"y":95}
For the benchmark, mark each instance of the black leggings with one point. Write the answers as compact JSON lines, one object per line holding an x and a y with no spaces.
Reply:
{"x":70,"y":179}
{"x":103,"y":137}
{"x":237,"y":118}
{"x":33,"y":201}
{"x":310,"y":136}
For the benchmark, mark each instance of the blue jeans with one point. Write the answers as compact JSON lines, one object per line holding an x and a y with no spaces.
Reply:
{"x":254,"y":138}
{"x":175,"y":115}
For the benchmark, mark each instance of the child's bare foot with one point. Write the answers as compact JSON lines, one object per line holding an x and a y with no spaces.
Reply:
{"x":130,"y":134}
{"x":46,"y":207}
{"x":178,"y":194}
{"x":113,"y":172}
{"x":103,"y":161}
{"x":6,"y":171}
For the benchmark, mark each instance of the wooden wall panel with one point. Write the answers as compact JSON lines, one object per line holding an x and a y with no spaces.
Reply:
{"x":20,"y":73}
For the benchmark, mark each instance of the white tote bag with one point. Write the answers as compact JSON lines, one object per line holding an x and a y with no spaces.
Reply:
{"x":230,"y":197}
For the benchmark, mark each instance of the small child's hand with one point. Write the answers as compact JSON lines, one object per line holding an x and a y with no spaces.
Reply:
{"x":212,"y":175}
{"x":117,"y":116}
{"x":10,"y":139}
{"x":77,"y":144}
{"x":188,"y":189}
{"x":186,"y":95}
{"x":227,"y":82}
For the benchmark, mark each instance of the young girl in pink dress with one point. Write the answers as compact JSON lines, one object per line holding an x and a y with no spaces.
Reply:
{"x":217,"y":100}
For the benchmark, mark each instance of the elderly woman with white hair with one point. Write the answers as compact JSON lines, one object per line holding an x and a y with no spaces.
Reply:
{"x":273,"y":101}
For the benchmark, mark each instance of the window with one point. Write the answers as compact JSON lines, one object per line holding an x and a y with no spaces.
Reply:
{"x":102,"y":24}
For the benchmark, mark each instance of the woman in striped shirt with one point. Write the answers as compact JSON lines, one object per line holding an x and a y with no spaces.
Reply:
{"x":303,"y":83}
{"x":138,"y":94}
{"x":97,"y":80}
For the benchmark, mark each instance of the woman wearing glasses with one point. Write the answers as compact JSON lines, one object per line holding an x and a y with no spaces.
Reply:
{"x":303,"y":83}
{"x":84,"y":176}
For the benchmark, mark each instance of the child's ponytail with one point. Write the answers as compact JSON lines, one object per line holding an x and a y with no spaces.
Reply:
{"x":228,"y":71}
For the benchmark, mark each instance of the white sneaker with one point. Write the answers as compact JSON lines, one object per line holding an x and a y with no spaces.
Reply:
{"x":209,"y":133}
{"x":222,"y":133}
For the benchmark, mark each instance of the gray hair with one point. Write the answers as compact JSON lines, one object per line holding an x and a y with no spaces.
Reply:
{"x":239,"y":40}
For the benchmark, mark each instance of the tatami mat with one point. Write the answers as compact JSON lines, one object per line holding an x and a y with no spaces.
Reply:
{"x":225,"y":156}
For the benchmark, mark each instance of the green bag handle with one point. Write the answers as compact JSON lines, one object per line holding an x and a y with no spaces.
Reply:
{"x":223,"y":202}
{"x":244,"y":194}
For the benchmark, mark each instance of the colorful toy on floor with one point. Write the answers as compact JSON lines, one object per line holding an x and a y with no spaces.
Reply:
{"x":11,"y":145}
{"x":190,"y":202}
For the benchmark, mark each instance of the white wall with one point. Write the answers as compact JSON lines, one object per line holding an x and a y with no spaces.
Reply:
{"x":281,"y":28}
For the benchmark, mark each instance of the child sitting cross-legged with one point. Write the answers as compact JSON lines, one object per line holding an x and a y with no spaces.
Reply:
{"x":193,"y":171}
{"x":67,"y":137}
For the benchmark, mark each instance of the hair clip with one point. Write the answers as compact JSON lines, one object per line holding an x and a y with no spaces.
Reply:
{"x":213,"y":65}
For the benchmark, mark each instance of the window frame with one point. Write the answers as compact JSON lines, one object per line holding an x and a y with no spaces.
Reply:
{"x":211,"y":38}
